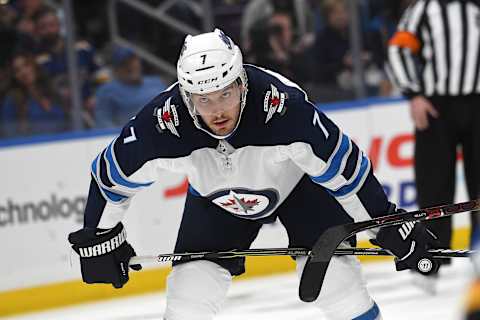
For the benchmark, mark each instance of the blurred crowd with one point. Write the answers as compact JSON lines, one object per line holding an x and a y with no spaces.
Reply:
{"x":305,"y":40}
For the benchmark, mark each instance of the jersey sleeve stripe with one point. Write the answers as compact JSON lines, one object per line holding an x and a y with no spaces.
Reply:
{"x":99,"y":170}
{"x":336,"y":163}
{"x":357,"y":182}
{"x":107,"y":193}
{"x":116,"y":175}
{"x":358,"y":165}
{"x":115,"y":187}
{"x":113,"y":197}
{"x":353,"y":162}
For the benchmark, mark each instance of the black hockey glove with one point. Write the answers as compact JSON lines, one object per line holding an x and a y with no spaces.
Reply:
{"x":104,"y":254}
{"x":410,"y":242}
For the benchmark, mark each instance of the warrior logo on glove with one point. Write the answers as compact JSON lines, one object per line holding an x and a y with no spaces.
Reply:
{"x":104,"y":247}
{"x":406,"y":228}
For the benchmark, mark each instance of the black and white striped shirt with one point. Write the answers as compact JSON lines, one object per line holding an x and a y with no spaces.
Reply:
{"x":436,"y":48}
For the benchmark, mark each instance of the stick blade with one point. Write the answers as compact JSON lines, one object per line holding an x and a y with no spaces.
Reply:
{"x":317,"y":263}
{"x":312,"y":279}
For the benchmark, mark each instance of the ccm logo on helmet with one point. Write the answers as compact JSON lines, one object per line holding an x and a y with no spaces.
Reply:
{"x":207,"y":81}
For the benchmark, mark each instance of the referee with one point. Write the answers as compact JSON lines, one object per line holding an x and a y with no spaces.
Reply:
{"x":434,"y":59}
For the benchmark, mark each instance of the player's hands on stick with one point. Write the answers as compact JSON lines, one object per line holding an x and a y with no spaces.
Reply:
{"x":104,"y":254}
{"x":410,"y":242}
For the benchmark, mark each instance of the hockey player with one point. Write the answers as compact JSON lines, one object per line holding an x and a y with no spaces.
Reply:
{"x":255,"y":149}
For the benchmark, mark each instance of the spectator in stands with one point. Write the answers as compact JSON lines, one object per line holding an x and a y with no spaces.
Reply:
{"x":29,"y":107}
{"x":7,"y":39}
{"x":8,"y":15}
{"x":334,"y":59}
{"x":25,"y":24}
{"x":92,"y":24}
{"x":53,"y":59}
{"x":120,"y":99}
{"x":383,"y":17}
{"x":272,"y":46}
{"x":380,"y":27}
{"x":301,"y":20}
{"x":8,"y":34}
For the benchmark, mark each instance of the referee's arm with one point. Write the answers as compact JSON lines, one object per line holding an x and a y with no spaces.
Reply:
{"x":403,"y":49}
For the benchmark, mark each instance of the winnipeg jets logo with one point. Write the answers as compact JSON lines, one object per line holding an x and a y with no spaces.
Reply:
{"x":240,"y":204}
{"x":274,"y":101}
{"x":245,"y":203}
{"x":167,"y":117}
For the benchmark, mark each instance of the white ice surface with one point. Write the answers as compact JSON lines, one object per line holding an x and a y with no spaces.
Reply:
{"x":275,"y":297}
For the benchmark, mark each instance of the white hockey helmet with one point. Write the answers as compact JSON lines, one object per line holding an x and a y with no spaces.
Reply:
{"x":209,"y":62}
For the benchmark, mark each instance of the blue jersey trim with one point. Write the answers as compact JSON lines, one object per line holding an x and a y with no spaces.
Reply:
{"x":75,"y":135}
{"x":106,"y":192}
{"x":371,"y":314}
{"x":193,"y":191}
{"x":117,"y":176}
{"x":94,"y":166}
{"x":350,"y":187}
{"x":114,"y":197}
{"x":336,"y":163}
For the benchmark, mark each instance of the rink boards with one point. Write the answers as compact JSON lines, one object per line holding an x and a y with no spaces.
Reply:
{"x":45,"y":184}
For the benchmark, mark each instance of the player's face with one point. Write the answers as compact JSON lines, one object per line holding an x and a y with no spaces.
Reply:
{"x":220,"y":109}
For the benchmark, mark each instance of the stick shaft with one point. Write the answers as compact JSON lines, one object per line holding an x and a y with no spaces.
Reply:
{"x":294,"y":252}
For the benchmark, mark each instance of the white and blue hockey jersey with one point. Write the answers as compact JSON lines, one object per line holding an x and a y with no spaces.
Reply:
{"x":281,"y":138}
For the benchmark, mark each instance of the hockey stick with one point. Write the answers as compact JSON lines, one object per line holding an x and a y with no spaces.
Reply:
{"x":294,"y":252}
{"x":326,"y":245}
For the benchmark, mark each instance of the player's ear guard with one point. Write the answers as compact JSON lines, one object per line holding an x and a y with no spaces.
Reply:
{"x":104,"y":254}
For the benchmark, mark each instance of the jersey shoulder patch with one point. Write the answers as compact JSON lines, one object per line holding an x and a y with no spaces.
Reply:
{"x":277,"y":92}
{"x":167,"y":117}
{"x":274,"y":102}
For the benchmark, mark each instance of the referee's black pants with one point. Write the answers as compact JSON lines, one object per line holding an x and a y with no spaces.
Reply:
{"x":458,"y":124}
